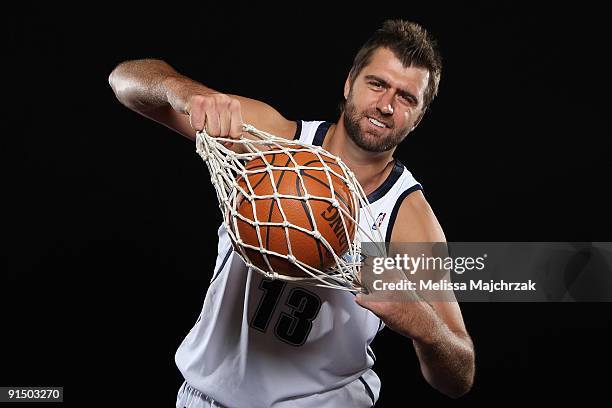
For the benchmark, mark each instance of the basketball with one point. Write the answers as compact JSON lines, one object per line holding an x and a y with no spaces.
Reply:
{"x":324,"y":218}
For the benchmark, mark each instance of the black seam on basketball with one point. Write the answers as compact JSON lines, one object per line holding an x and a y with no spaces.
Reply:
{"x":319,"y":161}
{"x":278,"y":183}
{"x":264,"y":174}
{"x":342,"y":200}
{"x":299,"y":189}
{"x":256,"y":167}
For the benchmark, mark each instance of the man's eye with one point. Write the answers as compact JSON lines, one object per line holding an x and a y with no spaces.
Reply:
{"x":376,"y":84}
{"x":406,"y":100}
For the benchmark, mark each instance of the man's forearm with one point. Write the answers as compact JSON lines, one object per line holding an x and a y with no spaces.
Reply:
{"x":147,"y":84}
{"x":446,"y":358}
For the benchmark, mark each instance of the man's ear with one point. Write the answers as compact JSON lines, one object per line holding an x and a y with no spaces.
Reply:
{"x":419,"y":119}
{"x":347,"y":86}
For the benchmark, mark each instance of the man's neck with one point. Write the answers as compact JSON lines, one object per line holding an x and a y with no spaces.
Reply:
{"x":371,"y":169}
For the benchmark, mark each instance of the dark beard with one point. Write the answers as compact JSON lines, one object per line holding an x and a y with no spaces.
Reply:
{"x":376,"y":144}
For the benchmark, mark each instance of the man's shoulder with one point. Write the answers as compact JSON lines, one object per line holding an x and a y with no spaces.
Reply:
{"x":416,"y":221}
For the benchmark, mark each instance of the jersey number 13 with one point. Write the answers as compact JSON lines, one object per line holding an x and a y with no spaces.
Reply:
{"x":293,"y":327}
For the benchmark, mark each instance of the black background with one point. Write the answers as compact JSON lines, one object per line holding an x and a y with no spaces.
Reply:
{"x":109,"y":220}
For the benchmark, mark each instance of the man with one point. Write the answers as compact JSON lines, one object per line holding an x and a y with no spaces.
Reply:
{"x":267,"y":343}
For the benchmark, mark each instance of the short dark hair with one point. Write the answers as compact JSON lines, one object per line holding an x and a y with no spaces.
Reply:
{"x":411,"y":44}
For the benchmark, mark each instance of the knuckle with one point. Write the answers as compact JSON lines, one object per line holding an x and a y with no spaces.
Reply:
{"x":195,"y":110}
{"x":226,"y":102}
{"x":206,"y":102}
{"x":234,"y":105}
{"x":198,"y":104}
{"x":196,"y":122}
{"x":197,"y":100}
{"x":220,"y":98}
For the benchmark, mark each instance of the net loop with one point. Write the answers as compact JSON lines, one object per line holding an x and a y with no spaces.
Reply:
{"x":226,"y":167}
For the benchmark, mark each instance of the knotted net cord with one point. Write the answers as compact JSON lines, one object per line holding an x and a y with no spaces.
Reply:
{"x":226,"y":167}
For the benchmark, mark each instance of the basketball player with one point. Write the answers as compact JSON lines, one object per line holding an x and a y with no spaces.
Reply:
{"x":263,"y":343}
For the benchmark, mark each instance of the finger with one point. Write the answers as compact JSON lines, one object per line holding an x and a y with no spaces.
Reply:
{"x":236,"y":119}
{"x":367,"y":302}
{"x":197,"y":118}
{"x":224,"y":123}
{"x":360,"y":299}
{"x":371,"y":306}
{"x":212,"y":123}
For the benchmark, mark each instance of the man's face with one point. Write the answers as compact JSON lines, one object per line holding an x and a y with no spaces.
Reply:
{"x":384,"y":102}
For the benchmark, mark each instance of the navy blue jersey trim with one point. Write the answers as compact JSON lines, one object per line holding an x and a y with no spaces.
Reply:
{"x":396,"y":208}
{"x":320,"y":133}
{"x":298,"y":130}
{"x":222,"y":265}
{"x":371,"y":353}
{"x":396,"y":172}
{"x":368,"y":390}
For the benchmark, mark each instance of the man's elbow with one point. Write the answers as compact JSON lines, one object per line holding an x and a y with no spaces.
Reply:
{"x":118,"y":85}
{"x":459,"y":377}
{"x":460,"y":389}
{"x":464,"y":381}
{"x":124,"y":86}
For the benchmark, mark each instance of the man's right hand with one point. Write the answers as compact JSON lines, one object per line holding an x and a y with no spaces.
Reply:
{"x":219,"y":114}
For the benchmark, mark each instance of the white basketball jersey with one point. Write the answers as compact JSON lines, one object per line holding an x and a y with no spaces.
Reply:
{"x":264,"y":343}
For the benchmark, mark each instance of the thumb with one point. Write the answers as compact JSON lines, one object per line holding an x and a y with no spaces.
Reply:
{"x":360,"y":298}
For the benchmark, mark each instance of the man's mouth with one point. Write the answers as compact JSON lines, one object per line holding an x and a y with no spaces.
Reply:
{"x":377,"y":123}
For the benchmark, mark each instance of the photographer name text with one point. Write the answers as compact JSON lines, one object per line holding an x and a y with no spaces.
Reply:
{"x":446,"y":285}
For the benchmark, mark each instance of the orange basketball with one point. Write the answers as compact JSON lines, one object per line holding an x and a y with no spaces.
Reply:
{"x":325,"y":218}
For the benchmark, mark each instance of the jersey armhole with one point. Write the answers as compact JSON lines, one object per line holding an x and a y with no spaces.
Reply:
{"x":298,"y":130}
{"x":396,"y":208}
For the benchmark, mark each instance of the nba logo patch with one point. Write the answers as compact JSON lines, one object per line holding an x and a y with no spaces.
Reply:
{"x":379,"y":221}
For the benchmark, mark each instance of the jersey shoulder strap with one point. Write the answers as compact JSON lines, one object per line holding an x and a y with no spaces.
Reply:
{"x":404,"y":186}
{"x":388,"y":197}
{"x":311,"y":132}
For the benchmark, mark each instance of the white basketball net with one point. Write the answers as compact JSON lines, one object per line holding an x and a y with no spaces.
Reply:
{"x":226,"y":167}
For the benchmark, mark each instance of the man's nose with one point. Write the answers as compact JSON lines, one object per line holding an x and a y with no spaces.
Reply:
{"x":385,"y":103}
